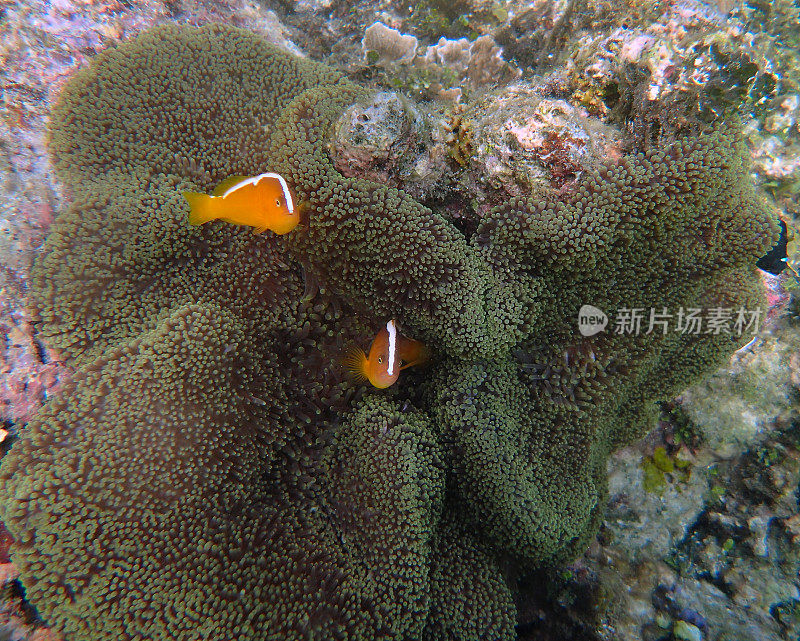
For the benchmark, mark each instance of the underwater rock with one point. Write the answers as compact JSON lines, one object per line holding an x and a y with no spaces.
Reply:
{"x":209,"y":469}
{"x":526,"y":142}
{"x":686,"y":631}
{"x":535,"y":35}
{"x":737,"y":405}
{"x":390,"y":139}
{"x":645,"y":521}
{"x":731,"y":572}
{"x":377,"y":138}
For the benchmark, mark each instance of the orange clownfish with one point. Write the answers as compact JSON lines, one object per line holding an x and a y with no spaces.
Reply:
{"x":263,"y":202}
{"x":389,"y":353}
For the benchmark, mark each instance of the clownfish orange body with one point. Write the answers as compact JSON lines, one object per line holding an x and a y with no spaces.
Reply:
{"x":389,"y":353}
{"x":262,"y":201}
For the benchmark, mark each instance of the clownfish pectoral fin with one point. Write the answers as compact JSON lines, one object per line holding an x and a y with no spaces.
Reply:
{"x":412,"y":353}
{"x":404,"y":364}
{"x":303,"y":209}
{"x":201,"y":209}
{"x":226,"y":184}
{"x":355,"y":363}
{"x":260,"y":230}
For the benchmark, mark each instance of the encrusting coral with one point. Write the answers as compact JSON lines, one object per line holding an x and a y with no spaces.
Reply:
{"x":208,"y":473}
{"x":389,"y":45}
{"x":440,"y":70}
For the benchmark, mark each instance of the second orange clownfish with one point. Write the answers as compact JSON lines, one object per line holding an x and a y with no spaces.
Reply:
{"x":389,"y":353}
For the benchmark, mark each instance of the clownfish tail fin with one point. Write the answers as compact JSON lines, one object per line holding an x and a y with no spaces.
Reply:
{"x":200,"y":208}
{"x":355,"y":364}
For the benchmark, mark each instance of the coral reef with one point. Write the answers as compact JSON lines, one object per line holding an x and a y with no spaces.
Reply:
{"x":208,"y":471}
{"x":443,"y":70}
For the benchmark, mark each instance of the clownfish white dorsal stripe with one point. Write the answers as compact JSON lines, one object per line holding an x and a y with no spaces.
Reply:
{"x":287,"y":195}
{"x":392,"y":329}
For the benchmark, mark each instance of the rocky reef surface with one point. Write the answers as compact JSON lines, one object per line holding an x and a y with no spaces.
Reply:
{"x":463,"y":108}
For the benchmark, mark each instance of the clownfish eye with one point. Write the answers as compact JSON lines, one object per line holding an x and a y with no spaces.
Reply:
{"x":380,"y":359}
{"x":277,"y":202}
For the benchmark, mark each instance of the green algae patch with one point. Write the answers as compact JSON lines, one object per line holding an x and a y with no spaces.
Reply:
{"x":662,"y":468}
